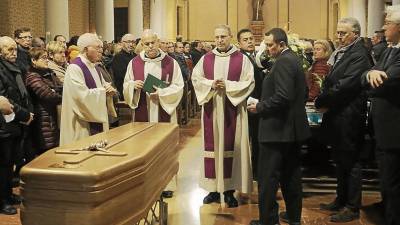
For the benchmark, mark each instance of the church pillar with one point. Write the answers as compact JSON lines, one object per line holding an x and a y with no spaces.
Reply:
{"x":158,"y":17}
{"x":358,"y":10}
{"x":375,"y":16}
{"x":105,"y":19}
{"x":57,"y":21}
{"x":135,"y":17}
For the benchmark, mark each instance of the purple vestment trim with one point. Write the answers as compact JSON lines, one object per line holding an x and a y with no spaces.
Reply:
{"x":167,"y":70}
{"x":230,"y":113}
{"x":95,"y":128}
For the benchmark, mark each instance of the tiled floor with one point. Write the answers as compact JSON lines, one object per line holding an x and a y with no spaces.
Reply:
{"x":186,"y":207}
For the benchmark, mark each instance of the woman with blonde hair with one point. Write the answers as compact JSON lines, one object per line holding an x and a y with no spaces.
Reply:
{"x":319,"y":69}
{"x":57,"y":60}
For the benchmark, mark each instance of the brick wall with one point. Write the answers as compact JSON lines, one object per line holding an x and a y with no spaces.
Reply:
{"x":22,"y":13}
{"x":78,"y":17}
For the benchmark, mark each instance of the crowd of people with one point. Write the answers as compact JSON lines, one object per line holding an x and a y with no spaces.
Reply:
{"x":253,"y":110}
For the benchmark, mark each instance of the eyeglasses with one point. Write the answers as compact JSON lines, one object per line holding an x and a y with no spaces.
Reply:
{"x":341,"y":33}
{"x":387,"y":23}
{"x":25,"y":37}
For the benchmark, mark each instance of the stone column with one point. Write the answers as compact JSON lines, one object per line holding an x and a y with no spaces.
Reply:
{"x":395,"y":2}
{"x":105,"y":19}
{"x":158,"y":17}
{"x":358,"y":11}
{"x":57,"y":21}
{"x":135,"y":17}
{"x":375,"y":16}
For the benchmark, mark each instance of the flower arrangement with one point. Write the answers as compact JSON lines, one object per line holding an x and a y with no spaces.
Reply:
{"x":298,"y":47}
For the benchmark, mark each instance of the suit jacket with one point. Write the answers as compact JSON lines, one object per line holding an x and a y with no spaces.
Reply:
{"x":342,"y":93}
{"x":385,"y":108}
{"x":258,"y":76}
{"x":378,"y":49}
{"x":282,"y":104}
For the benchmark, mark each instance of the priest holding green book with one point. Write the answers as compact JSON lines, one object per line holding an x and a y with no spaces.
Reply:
{"x":158,"y":105}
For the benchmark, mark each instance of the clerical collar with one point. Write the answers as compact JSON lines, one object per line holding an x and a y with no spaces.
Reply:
{"x":145,"y":55}
{"x":222,"y":52}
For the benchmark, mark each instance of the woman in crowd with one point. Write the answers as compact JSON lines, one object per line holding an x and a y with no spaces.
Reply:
{"x":319,"y":69}
{"x":57,"y":60}
{"x":45,"y":90}
{"x":188,"y":57}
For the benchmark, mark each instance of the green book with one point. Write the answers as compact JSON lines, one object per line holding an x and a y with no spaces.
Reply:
{"x":153,"y":81}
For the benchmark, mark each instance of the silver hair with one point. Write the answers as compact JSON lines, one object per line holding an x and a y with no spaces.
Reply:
{"x":126,"y":36}
{"x":225,"y":27}
{"x":353,"y":22}
{"x":87,"y":39}
{"x":149,"y":32}
{"x":4,"y":41}
{"x":393,"y":14}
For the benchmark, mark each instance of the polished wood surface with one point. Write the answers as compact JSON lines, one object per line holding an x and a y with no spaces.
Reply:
{"x":186,"y":207}
{"x":103,"y":190}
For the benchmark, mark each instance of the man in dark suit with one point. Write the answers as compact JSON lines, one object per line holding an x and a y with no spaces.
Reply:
{"x":283,"y":125}
{"x":121,"y":60}
{"x":247,"y":47}
{"x":12,"y":87}
{"x":384,"y":79}
{"x":344,"y":105}
{"x":379,"y":44}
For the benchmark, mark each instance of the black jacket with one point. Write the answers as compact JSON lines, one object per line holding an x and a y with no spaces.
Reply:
{"x":343,"y":95}
{"x":119,"y":64}
{"x":385,"y":108}
{"x":18,"y":96}
{"x":196,"y":55}
{"x":282,"y":104}
{"x":23,"y":60}
{"x":258,"y":76}
{"x":378,"y":49}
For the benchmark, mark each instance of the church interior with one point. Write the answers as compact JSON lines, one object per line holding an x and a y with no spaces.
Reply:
{"x":191,"y":23}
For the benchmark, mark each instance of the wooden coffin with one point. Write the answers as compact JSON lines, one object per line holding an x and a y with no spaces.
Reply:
{"x":102,"y":190}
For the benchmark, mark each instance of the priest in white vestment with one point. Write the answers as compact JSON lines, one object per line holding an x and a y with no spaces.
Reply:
{"x":222,"y":80}
{"x":84,"y":102}
{"x":159,"y":106}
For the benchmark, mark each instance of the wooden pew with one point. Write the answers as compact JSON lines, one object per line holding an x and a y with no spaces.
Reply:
{"x":108,"y":188}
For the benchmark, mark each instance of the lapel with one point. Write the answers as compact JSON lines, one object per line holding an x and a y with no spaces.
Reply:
{"x":388,"y":62}
{"x":9,"y":72}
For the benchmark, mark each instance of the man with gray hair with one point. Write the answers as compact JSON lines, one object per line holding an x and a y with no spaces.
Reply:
{"x":11,"y":133}
{"x":384,"y":81}
{"x":121,"y":60}
{"x":343,"y":102}
{"x":86,"y":95}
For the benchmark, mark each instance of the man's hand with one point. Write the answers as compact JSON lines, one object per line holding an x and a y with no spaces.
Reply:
{"x":154,"y":95}
{"x":5,"y":106}
{"x":138,"y":84}
{"x":252,"y":107}
{"x":218,"y":84}
{"x":110,"y":90}
{"x":376,"y":78}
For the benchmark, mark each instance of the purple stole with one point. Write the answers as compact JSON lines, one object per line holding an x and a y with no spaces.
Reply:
{"x":230,"y":112}
{"x":167,"y":68}
{"x":95,"y":128}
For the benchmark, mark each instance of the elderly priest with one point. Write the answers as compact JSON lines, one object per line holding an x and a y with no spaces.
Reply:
{"x":86,"y":94}
{"x":160,"y":105}
{"x":223,"y":79}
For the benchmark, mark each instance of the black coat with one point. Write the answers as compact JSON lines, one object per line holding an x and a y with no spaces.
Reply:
{"x":343,"y":95}
{"x":282,"y":104}
{"x":17,"y":97}
{"x":119,"y":64}
{"x":258,"y":76}
{"x":378,"y":49}
{"x":196,"y":55}
{"x":385,"y":108}
{"x":23,"y":60}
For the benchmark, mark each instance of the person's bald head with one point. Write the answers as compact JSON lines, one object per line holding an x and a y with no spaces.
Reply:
{"x":8,"y":49}
{"x":150,"y":43}
{"x":128,"y":43}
